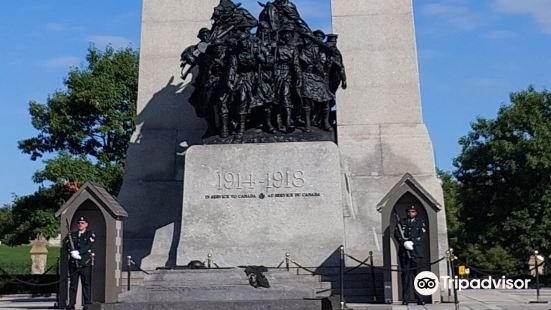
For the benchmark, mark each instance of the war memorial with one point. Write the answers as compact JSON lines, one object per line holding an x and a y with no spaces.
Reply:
{"x":261,"y":143}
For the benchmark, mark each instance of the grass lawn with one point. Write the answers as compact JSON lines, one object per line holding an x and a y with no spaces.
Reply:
{"x":17,"y":260}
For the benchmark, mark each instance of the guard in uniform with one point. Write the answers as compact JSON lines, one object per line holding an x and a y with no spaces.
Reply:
{"x":80,"y":262}
{"x":410,"y":233}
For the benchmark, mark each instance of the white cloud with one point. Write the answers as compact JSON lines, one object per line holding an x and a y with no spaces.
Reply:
{"x":115,"y":41}
{"x":455,"y":13}
{"x":62,"y":62}
{"x":540,"y":10}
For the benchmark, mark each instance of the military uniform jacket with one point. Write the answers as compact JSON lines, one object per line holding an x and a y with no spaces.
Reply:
{"x":414,"y":230}
{"x":84,"y":244}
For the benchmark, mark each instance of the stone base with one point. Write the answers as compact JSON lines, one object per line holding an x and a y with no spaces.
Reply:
{"x":220,"y":289}
{"x":217,"y":305}
{"x":250,"y":204}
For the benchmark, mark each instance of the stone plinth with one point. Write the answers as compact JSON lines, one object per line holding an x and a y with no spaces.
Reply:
{"x":250,"y":204}
{"x":220,"y":289}
{"x":39,"y":255}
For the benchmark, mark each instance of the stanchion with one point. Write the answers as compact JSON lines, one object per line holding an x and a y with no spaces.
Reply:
{"x":449,"y":273}
{"x":57,"y":268}
{"x":128,"y":265}
{"x":342,"y":277}
{"x":209,"y":260}
{"x":93,"y":256}
{"x":372,"y":276}
{"x":451,"y":258}
{"x":287,"y":261}
{"x":537,"y":265}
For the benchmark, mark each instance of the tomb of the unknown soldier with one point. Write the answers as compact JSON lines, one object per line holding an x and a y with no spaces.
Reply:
{"x":273,"y":164}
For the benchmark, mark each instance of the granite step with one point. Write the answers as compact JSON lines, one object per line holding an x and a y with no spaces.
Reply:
{"x":215,"y":305}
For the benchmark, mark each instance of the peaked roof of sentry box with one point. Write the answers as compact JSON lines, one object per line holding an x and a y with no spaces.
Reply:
{"x":99,"y":194}
{"x":412,"y":183}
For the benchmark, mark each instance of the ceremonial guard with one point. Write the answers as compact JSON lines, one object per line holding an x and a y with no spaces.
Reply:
{"x":410,"y":233}
{"x":79,"y":245}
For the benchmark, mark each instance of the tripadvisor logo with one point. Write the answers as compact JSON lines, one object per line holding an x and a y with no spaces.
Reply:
{"x":426,"y":283}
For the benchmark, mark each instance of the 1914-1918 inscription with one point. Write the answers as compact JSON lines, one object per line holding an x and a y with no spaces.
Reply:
{"x":248,"y":204}
{"x":285,"y":183}
{"x":270,"y":180}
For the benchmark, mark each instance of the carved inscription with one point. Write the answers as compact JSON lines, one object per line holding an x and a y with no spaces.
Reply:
{"x":270,"y":180}
{"x":285,"y":183}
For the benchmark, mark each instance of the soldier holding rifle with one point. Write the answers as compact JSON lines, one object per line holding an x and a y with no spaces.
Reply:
{"x":79,"y":245}
{"x":410,"y":233}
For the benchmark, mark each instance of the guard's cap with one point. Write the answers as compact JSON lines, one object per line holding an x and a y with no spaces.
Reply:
{"x":82,"y":219}
{"x":412,"y":207}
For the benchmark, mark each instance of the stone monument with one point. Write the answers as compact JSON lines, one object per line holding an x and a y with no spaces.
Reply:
{"x":39,"y":254}
{"x":187,"y":202}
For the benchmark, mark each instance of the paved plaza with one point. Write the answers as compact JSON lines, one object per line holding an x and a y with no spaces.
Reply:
{"x":469,"y":300}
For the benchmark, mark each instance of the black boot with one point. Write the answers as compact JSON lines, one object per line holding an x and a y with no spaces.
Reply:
{"x":241,"y":129}
{"x":268,"y":121}
{"x":224,"y":131}
{"x":289,"y":120}
{"x":325,"y":118}
{"x":307,"y":120}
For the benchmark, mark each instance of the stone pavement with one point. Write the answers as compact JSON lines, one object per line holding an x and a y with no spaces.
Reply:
{"x":469,"y":300}
{"x":26,"y":302}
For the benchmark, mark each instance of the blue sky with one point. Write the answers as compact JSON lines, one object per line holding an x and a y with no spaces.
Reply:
{"x":472,"y":54}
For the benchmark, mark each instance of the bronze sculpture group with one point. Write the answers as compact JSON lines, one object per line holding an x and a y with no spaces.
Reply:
{"x":279,"y":78}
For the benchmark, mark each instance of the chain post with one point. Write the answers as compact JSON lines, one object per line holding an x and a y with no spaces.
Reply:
{"x":209,"y":260}
{"x":537,"y":267}
{"x":57,"y":272}
{"x":287,"y":261}
{"x":343,"y":305}
{"x":451,"y":258}
{"x":93,"y":262}
{"x":449,"y":273}
{"x":537,"y":276}
{"x":372,"y":276}
{"x":128,"y":264}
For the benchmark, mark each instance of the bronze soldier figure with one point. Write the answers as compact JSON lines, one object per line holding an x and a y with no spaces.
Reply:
{"x":336,"y":70}
{"x":265,"y":88}
{"x":287,"y":75}
{"x":245,"y":79}
{"x":315,"y":89}
{"x":242,"y":79}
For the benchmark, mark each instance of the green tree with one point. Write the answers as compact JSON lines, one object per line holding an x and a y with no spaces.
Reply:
{"x":6,"y":223}
{"x":450,"y":188}
{"x":504,"y":171}
{"x":89,"y":124}
{"x":85,"y":129}
{"x":35,"y":214}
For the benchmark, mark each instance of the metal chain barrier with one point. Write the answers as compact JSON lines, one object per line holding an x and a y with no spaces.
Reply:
{"x":129,"y":264}
{"x":15,"y":279}
{"x":363,"y":263}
